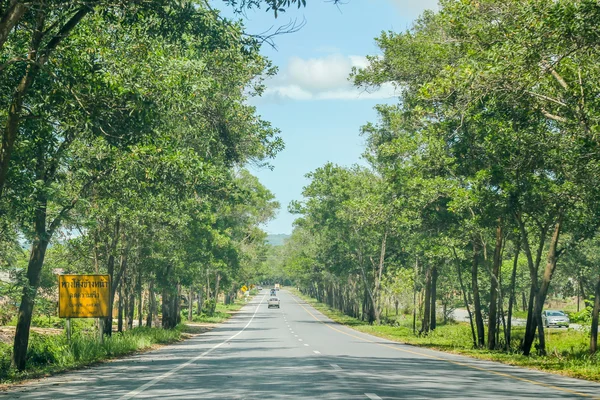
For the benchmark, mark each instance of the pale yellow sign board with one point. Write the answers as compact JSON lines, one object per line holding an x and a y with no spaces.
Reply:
{"x":83,"y":296}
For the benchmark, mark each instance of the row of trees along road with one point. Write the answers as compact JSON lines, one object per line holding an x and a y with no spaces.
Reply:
{"x":125,"y":128}
{"x":483,"y":179}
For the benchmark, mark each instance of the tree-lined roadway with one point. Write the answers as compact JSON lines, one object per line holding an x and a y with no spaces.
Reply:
{"x":296,"y":352}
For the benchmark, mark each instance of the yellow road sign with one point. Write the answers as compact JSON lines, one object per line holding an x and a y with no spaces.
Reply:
{"x":83,"y":296}
{"x":244,"y":288}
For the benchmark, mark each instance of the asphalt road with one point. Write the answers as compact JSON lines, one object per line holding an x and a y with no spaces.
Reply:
{"x":297,"y":353}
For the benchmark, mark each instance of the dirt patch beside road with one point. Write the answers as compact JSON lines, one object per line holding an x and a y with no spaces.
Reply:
{"x":196,"y":328}
{"x":7,"y":333}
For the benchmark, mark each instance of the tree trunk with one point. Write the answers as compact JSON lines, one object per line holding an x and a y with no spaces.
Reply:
{"x":140,"y":293}
{"x":10,"y":17}
{"x":545,"y":285}
{"x":34,"y":270}
{"x":131,"y":306}
{"x":427,"y":311}
{"x":493,"y":316}
{"x":379,"y":274}
{"x":533,"y":274}
{"x":216,"y":294}
{"x":151,"y":303}
{"x":110,"y":267}
{"x":511,"y":298}
{"x":191,"y":304}
{"x":595,"y":312}
{"x":120,"y":309}
{"x":416,"y":275}
{"x":177,"y":306}
{"x":476,"y":299}
{"x":432,"y":318}
{"x":166,"y":308}
{"x":200,"y":301}
{"x":466,"y":301}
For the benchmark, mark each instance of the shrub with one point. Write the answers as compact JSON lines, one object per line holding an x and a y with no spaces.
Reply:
{"x":583,"y":316}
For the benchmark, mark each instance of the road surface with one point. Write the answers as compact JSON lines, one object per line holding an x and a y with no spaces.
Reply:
{"x":297,"y":353}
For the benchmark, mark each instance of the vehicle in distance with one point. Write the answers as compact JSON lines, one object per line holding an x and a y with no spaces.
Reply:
{"x":277,"y":286}
{"x":273,"y":302}
{"x":273,"y":292}
{"x":555,"y":318}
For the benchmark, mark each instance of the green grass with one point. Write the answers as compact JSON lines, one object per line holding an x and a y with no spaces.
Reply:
{"x":568,"y":349}
{"x":53,"y":353}
{"x":222,"y":313}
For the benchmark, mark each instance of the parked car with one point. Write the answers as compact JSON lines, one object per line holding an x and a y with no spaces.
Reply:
{"x":273,"y":302}
{"x":555,"y":318}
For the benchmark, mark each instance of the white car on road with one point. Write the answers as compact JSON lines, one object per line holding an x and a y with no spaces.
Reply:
{"x":273,"y":302}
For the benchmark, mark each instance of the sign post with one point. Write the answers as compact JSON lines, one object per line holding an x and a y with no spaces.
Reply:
{"x":69,"y":330}
{"x":83,"y":296}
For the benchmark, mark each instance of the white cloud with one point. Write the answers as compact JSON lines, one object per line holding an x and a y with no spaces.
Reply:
{"x":322,"y":78}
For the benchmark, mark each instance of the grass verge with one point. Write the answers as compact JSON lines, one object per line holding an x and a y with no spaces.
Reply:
{"x":48,"y":354}
{"x":52,"y":353}
{"x":568,"y":349}
{"x":222,"y":313}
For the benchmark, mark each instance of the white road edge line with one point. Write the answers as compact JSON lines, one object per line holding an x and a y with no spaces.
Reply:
{"x":372,"y":396}
{"x":154,"y":381}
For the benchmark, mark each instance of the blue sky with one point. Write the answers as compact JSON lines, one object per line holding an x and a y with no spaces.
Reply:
{"x":311,"y":101}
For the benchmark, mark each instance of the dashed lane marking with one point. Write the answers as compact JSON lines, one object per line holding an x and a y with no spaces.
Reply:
{"x":159,"y":378}
{"x":462,"y":364}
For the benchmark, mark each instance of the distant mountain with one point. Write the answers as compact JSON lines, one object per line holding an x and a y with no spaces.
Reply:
{"x":277,"y":240}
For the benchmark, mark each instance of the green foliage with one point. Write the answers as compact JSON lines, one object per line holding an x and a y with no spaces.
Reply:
{"x":222,"y":313}
{"x":208,"y":307}
{"x":133,"y":162}
{"x":582,"y":317}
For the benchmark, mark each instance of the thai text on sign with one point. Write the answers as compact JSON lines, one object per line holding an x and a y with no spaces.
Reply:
{"x":83,"y":296}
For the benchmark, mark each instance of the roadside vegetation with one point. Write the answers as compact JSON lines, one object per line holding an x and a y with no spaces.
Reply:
{"x":50,"y":352}
{"x":125,"y":136}
{"x":480,"y":189}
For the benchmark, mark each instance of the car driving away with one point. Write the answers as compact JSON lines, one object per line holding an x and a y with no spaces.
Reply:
{"x":555,"y":318}
{"x":273,"y":302}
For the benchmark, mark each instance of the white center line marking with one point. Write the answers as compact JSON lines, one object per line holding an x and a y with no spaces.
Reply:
{"x":336,"y":367}
{"x":300,"y":340}
{"x":295,"y":335}
{"x":159,"y":378}
{"x":372,"y":396}
{"x":305,"y":344}
{"x":316,"y":351}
